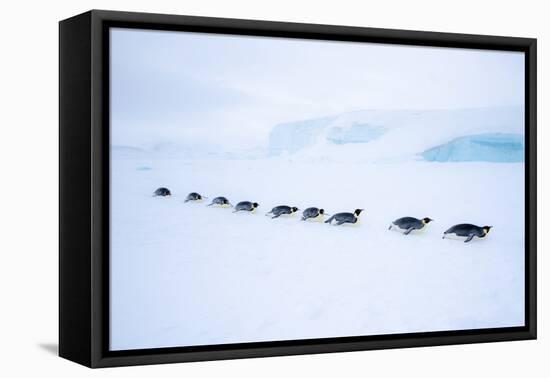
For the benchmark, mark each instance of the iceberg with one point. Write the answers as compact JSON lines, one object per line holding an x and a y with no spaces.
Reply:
{"x":498,"y":147}
{"x":356,"y":133}
{"x":294,"y":136}
{"x":493,"y":134}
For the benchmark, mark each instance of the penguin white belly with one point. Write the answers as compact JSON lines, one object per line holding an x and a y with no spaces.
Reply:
{"x":456,"y":237}
{"x":318,"y":218}
{"x":292,"y":215}
{"x":422,"y":230}
{"x":393,"y":227}
{"x":222,"y":206}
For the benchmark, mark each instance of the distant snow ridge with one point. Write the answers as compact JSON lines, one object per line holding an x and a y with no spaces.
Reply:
{"x":502,"y":148}
{"x":478,"y":134}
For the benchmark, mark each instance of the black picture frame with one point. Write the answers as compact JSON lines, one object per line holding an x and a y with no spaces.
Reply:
{"x":84,"y":188}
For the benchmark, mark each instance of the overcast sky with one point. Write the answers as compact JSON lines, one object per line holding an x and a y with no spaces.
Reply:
{"x":193,"y":88}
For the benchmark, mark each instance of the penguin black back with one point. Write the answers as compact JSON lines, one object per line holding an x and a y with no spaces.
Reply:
{"x":282,"y":210}
{"x":342,"y":218}
{"x":246,"y":206}
{"x":162,"y":192}
{"x":193,"y":196}
{"x":221,"y":201}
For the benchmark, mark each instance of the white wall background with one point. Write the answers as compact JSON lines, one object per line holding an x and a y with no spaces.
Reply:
{"x":28,"y":194}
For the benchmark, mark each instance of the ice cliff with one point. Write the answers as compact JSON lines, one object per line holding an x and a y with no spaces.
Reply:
{"x":480,"y":134}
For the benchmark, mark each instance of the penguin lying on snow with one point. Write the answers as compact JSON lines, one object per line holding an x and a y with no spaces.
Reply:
{"x":162,"y":192}
{"x":342,"y":218}
{"x":409,"y":224}
{"x":312,"y":213}
{"x":221,"y":201}
{"x":468,"y":231}
{"x":194,"y":197}
{"x":282,"y":210}
{"x":246,"y":206}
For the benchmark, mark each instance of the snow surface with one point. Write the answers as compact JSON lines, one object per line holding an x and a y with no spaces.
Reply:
{"x":186,"y":274}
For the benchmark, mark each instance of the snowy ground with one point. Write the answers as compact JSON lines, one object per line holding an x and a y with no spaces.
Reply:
{"x":186,"y":274}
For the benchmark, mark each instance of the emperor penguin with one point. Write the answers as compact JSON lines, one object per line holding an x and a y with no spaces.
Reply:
{"x":313,"y":213}
{"x":194,"y":197}
{"x":468,"y":231}
{"x":162,"y":192}
{"x":221,"y":201}
{"x":342,"y":218}
{"x":282,"y":210}
{"x":246,"y":206}
{"x":409,"y":224}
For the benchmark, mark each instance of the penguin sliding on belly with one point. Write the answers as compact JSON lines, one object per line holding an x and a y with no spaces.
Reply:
{"x":246,"y":206}
{"x":409,"y":224}
{"x":342,"y":218}
{"x":313,"y":213}
{"x":194,"y":197}
{"x":221,"y":201}
{"x":282,"y":210}
{"x":162,"y":192}
{"x":467,"y":231}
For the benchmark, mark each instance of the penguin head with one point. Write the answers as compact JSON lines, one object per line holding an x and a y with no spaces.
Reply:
{"x":199,"y":196}
{"x":255,"y":205}
{"x":321,"y":211}
{"x":294,"y":209}
{"x":357,"y":212}
{"x":427,"y":220}
{"x":486,"y":229}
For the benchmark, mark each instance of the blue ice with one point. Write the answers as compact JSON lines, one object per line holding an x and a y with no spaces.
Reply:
{"x":356,"y":133}
{"x":498,"y":147}
{"x":292,"y":137}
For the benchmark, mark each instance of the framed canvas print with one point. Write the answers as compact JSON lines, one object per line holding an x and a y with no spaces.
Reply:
{"x":235,"y":188}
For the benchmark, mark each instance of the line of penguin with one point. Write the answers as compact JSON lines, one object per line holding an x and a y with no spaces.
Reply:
{"x":406,"y":224}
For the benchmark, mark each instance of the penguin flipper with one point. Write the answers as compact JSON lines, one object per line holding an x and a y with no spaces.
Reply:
{"x":340,"y":223}
{"x":408,"y":231}
{"x":303,"y":218}
{"x":276,"y":216}
{"x":469,"y":238}
{"x":329,"y":219}
{"x":389,"y":228}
